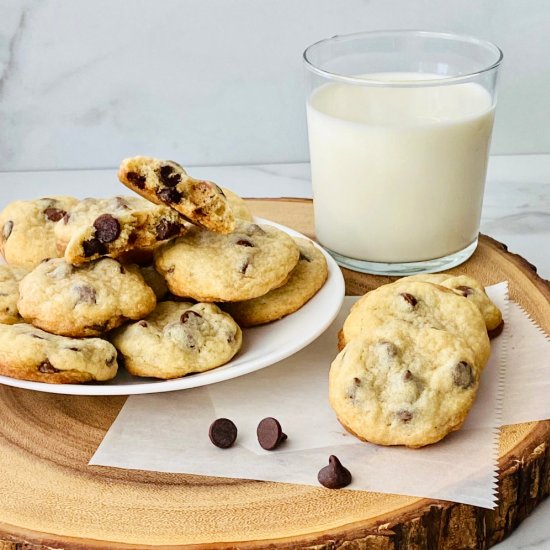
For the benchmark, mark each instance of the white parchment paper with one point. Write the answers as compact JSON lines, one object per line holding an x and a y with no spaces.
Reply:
{"x":169,"y":432}
{"x":527,"y":376}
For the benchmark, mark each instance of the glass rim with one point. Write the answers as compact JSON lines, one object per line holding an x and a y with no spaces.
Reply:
{"x":445,"y":80}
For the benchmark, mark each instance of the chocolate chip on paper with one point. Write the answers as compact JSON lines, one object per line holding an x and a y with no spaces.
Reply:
{"x":334,"y":476}
{"x":222,"y":433}
{"x":270,"y":434}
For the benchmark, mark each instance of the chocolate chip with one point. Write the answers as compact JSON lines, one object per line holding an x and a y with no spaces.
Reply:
{"x":334,"y":476}
{"x":74,"y":349}
{"x":7,"y":229}
{"x":463,"y":375}
{"x":169,"y":195}
{"x":47,"y":368}
{"x":222,"y":433}
{"x":404,"y":415}
{"x":497,"y":331}
{"x":186,"y":315}
{"x":86,"y":294}
{"x":100,"y":327}
{"x":66,"y":218}
{"x":121,"y":203}
{"x":270,"y":434}
{"x":111,"y":361}
{"x":191,"y":343}
{"x":136,"y":179}
{"x":166,"y":229}
{"x":93,"y":246}
{"x":244,"y":242}
{"x":244,"y":266}
{"x":409,"y":298}
{"x":54,"y":214}
{"x":389,"y":348}
{"x":254,"y":229}
{"x":168,"y":176}
{"x":38,"y":337}
{"x":352,"y":390}
{"x":304,"y":258}
{"x":107,"y":228}
{"x":408,"y":375}
{"x":465,"y":290}
{"x":143,"y":324}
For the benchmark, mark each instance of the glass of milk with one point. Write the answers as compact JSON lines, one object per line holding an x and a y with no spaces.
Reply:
{"x":399,"y":126}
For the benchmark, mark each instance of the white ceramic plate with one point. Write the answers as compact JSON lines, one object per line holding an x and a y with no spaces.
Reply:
{"x":262,"y":346}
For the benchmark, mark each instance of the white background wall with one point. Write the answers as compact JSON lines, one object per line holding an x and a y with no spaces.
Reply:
{"x":84,"y":83}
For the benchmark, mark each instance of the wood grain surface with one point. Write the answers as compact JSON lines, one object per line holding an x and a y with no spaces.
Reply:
{"x":51,"y":498}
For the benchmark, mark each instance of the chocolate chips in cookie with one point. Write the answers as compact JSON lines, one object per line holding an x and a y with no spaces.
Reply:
{"x":27,"y":236}
{"x":178,"y":338}
{"x":211,"y":267}
{"x":54,"y":359}
{"x":115,"y":227}
{"x":414,"y":395}
{"x":86,"y":300}
{"x":166,"y":182}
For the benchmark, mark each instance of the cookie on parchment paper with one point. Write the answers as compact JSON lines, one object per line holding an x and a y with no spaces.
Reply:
{"x":423,"y":305}
{"x":469,"y":288}
{"x":401,"y":385}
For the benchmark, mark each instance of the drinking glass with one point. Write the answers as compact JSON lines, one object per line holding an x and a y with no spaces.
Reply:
{"x":399,"y":127}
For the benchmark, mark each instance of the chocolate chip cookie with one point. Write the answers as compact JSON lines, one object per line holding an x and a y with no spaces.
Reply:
{"x":166,"y":182}
{"x":211,"y":267}
{"x":402,"y":385}
{"x":85,"y":300}
{"x":178,"y":338}
{"x":305,"y":280}
{"x":27,"y":229}
{"x":423,"y":305}
{"x":29,"y":353}
{"x":111,"y":227}
{"x":469,"y":288}
{"x":9,"y":293}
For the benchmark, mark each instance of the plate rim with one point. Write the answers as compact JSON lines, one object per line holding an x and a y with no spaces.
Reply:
{"x":214,"y":375}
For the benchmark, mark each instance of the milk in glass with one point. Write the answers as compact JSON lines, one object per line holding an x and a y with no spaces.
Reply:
{"x":398,"y":173}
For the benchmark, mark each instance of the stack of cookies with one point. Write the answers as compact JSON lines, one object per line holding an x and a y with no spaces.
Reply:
{"x":135,"y":279}
{"x":412,"y":353}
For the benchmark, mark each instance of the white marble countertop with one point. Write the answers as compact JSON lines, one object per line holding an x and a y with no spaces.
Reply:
{"x":516,"y":212}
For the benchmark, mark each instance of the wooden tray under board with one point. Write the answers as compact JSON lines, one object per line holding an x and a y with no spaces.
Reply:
{"x":50,"y":498}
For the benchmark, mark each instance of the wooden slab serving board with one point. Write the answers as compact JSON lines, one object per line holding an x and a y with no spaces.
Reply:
{"x":51,"y":498}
